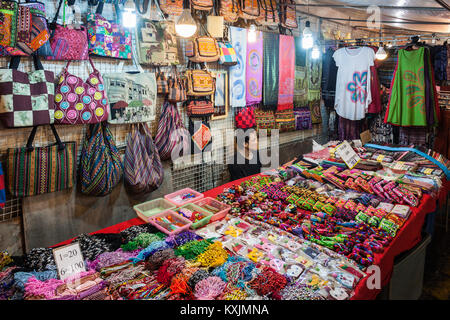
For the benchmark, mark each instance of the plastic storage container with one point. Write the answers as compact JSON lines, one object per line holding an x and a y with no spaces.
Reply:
{"x":175,"y":216}
{"x":150,"y":208}
{"x":221,"y":209}
{"x":175,"y":199}
{"x":207,"y":215}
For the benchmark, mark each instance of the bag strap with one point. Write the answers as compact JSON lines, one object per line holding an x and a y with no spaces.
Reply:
{"x":30,"y":147}
{"x":144,"y":8}
{"x":90,"y":60}
{"x":15,"y":61}
{"x":116,"y":7}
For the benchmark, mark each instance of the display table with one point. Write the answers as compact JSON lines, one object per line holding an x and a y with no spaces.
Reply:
{"x":407,"y":237}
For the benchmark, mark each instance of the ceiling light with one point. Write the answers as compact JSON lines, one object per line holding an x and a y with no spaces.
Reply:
{"x":129,"y":15}
{"x":381,"y":53}
{"x":307,"y":40}
{"x":186,"y":26}
{"x":251,"y":35}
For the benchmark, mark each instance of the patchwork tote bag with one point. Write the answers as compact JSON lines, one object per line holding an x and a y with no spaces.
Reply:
{"x":100,"y":164}
{"x":227,"y":54}
{"x":131,"y":97}
{"x":26,"y":98}
{"x":78,"y":101}
{"x":38,"y":170}
{"x":108,"y":38}
{"x":67,"y":43}
{"x":143,"y":171}
{"x":170,"y":131}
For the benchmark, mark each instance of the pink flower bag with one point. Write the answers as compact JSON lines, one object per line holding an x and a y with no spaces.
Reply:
{"x":78,"y":101}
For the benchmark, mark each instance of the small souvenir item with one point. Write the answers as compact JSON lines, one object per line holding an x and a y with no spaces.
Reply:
{"x":401,"y":211}
{"x":294,"y":270}
{"x":276,"y":264}
{"x":255,"y":255}
{"x":386,"y":206}
{"x":313,"y":253}
{"x":339,"y":294}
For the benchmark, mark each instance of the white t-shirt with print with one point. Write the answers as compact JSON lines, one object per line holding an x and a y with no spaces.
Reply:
{"x":353,"y":95}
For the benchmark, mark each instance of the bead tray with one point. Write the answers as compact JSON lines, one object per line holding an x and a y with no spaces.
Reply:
{"x":171,"y":197}
{"x":174,"y":215}
{"x":148,"y":209}
{"x":222,"y":208}
{"x":207,"y":215}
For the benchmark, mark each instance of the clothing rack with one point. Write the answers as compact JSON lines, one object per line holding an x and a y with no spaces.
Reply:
{"x":395,"y":39}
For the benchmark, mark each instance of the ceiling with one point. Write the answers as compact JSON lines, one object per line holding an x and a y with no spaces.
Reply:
{"x":410,"y":16}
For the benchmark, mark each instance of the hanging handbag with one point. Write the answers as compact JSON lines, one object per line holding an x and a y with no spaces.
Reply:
{"x":171,"y":7}
{"x":249,"y":9}
{"x":302,"y":119}
{"x":268,"y":13}
{"x":108,"y":38}
{"x":285,"y":120}
{"x":177,"y":88}
{"x":9,"y":15}
{"x":78,"y":101}
{"x":2,"y":188}
{"x":288,"y":14}
{"x":245,"y":118}
{"x":200,"y":82}
{"x":201,"y":136}
{"x":170,"y":131}
{"x":161,"y":82}
{"x":131,"y":97}
{"x":229,"y":10}
{"x":156,"y":42}
{"x":100,"y":164}
{"x":203,"y":5}
{"x":227,"y":54}
{"x":26,"y":98}
{"x":203,"y":49}
{"x":37,"y":170}
{"x":143,"y":171}
{"x":265,"y":120}
{"x":199,"y":108}
{"x":67,"y":43}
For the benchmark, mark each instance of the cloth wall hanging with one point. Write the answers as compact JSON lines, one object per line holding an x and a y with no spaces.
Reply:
{"x":314,"y":77}
{"x":285,"y":120}
{"x":265,"y":120}
{"x":143,"y":171}
{"x":301,"y":87}
{"x":108,"y":38}
{"x":100,"y":163}
{"x":271,"y":68}
{"x":302,"y":119}
{"x":26,"y":97}
{"x":237,"y":73}
{"x":220,"y":94}
{"x":38,"y":170}
{"x":131,"y":97}
{"x":316,"y":115}
{"x":286,"y":73}
{"x":78,"y":101}
{"x":254,"y":70}
{"x":156,"y":42}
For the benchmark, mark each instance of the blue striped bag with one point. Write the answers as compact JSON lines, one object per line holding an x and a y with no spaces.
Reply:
{"x":100,"y":164}
{"x":143,"y":171}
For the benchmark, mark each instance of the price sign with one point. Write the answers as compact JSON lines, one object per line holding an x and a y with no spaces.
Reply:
{"x":69,"y":260}
{"x":346,"y":152}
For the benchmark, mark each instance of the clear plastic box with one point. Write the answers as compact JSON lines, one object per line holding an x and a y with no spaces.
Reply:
{"x":173,"y":197}
{"x":150,"y":208}
{"x":221,"y":211}
{"x":186,"y":222}
{"x":207,"y":215}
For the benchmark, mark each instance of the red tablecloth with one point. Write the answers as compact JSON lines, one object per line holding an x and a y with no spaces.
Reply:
{"x":407,"y":237}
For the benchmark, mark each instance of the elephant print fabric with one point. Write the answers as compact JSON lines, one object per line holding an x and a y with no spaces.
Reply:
{"x":238,"y":72}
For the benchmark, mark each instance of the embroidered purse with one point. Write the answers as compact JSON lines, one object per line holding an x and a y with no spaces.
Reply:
{"x":200,"y":82}
{"x":265,"y":120}
{"x":78,"y":101}
{"x":108,"y":38}
{"x":249,"y":9}
{"x":203,"y":49}
{"x":288,"y":15}
{"x":161,"y":82}
{"x":229,"y":10}
{"x":200,"y":108}
{"x":245,"y":118}
{"x":268,"y":13}
{"x":171,"y":7}
{"x":177,"y":88}
{"x":203,"y":5}
{"x":285,"y":120}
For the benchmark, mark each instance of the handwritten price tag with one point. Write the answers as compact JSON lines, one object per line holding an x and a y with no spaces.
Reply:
{"x":347,"y":154}
{"x":69,"y":260}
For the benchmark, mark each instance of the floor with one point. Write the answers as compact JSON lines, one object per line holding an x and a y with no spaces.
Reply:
{"x":436,"y":284}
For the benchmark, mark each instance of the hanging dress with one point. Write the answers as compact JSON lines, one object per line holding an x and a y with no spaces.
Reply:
{"x":408,"y":100}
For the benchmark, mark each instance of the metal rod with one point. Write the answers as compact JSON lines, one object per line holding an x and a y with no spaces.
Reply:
{"x":351,"y":6}
{"x":384,"y":21}
{"x":443,"y":4}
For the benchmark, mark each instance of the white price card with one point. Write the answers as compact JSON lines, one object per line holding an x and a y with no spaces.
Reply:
{"x":346,"y":152}
{"x":69,"y":260}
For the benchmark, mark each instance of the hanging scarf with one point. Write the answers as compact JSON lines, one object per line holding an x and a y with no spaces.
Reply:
{"x":219,"y":96}
{"x":301,"y":80}
{"x":254,"y":70}
{"x":237,"y":72}
{"x":270,"y":60}
{"x":2,"y":188}
{"x":286,"y":73}
{"x":314,"y":77}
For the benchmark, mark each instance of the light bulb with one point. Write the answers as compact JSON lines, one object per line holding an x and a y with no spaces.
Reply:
{"x":251,"y":34}
{"x":315,"y":54}
{"x":307,"y":40}
{"x":129,"y":15}
{"x":381,"y":54}
{"x":186,"y":26}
